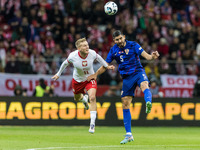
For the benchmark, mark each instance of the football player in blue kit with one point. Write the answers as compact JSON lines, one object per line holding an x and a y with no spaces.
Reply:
{"x":127,"y":55}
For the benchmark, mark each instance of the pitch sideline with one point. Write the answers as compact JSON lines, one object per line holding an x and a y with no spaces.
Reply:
{"x":111,"y":146}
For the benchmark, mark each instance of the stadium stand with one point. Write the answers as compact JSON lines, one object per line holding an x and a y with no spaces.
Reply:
{"x":37,"y":35}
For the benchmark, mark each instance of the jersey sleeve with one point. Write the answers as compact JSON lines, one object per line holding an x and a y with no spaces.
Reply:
{"x":138,"y":49}
{"x":110,"y":57}
{"x":101,"y":61}
{"x":64,"y":65}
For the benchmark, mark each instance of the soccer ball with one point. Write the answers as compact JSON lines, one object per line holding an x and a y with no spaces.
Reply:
{"x":110,"y":8}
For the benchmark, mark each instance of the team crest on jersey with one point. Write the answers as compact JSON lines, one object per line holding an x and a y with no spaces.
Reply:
{"x":84,"y":63}
{"x":126,"y":51}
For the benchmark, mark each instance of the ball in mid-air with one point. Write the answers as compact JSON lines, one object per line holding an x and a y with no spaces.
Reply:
{"x":110,"y":8}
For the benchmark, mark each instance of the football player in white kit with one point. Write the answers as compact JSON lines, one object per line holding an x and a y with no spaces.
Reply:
{"x":82,"y":60}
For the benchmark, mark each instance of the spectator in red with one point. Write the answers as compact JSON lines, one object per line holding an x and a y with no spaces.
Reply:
{"x":95,"y":34}
{"x":49,"y":42}
{"x":45,"y":4}
{"x":7,"y":33}
{"x":163,"y":48}
{"x":166,"y":11}
{"x":192,"y":68}
{"x":196,"y":19}
{"x":38,"y":45}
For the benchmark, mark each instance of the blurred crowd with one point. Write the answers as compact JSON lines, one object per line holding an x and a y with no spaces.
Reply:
{"x":36,"y":36}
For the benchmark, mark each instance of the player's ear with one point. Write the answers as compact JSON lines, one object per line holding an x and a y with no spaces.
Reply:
{"x":78,"y":47}
{"x":124,"y":36}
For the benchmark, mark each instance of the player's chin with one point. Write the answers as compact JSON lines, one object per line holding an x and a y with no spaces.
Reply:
{"x":121,"y":45}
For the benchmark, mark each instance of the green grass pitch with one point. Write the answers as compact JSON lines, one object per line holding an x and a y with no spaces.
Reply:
{"x":105,"y":138}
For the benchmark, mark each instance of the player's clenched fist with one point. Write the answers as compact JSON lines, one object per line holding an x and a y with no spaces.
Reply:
{"x":55,"y":77}
{"x":155,"y":55}
{"x":111,"y":67}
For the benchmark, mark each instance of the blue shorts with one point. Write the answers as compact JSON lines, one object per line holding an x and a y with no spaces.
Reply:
{"x":131,"y":82}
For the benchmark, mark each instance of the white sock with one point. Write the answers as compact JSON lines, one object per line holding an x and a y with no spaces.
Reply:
{"x":93,"y":115}
{"x":128,"y":133}
{"x":84,"y":99}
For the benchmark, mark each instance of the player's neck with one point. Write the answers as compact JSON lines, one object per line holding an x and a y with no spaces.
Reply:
{"x":83,"y":55}
{"x":124,"y":43}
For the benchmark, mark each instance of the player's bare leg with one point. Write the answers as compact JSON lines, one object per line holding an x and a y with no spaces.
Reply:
{"x":147,"y":95}
{"x":82,"y":98}
{"x":93,"y":108}
{"x":126,"y":102}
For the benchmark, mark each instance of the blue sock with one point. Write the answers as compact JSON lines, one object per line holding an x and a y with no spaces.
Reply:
{"x":127,"y":120}
{"x":147,"y":95}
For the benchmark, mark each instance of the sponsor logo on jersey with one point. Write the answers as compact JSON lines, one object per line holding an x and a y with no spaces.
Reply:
{"x":126,"y":51}
{"x":84,"y":63}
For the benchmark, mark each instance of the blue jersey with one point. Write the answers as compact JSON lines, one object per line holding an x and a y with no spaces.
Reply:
{"x":127,"y":58}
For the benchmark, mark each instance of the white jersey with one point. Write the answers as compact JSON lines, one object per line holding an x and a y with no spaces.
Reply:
{"x":83,"y":67}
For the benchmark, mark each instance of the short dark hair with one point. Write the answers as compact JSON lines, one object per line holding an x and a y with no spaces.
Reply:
{"x":41,"y":80}
{"x":117,"y":33}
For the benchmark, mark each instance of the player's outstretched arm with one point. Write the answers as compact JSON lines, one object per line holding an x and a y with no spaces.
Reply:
{"x":101,"y":70}
{"x":154,"y":55}
{"x":55,"y":77}
{"x":62,"y":67}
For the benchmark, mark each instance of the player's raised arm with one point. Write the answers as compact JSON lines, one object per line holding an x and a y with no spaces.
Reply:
{"x":154,"y":55}
{"x":104,"y":63}
{"x":62,"y":67}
